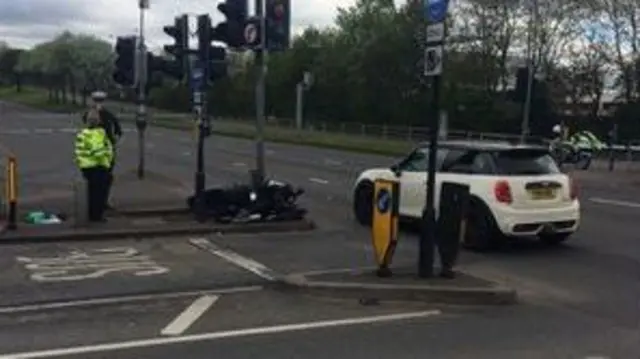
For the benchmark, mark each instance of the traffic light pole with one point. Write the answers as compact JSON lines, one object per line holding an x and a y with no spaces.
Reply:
{"x":261,"y":68}
{"x":198,"y":80}
{"x":141,"y":118}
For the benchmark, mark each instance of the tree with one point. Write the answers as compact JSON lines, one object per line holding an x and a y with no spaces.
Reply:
{"x":9,"y":58}
{"x":69,"y":62}
{"x":617,"y":24}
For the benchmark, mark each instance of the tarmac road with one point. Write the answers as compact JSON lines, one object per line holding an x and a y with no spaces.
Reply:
{"x":580,"y":300}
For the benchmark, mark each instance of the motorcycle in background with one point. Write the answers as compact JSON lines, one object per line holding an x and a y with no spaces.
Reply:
{"x":578,"y":150}
{"x":567,"y":153}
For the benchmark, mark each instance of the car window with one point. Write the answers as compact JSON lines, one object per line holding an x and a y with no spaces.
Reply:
{"x":415,"y":162}
{"x":458,"y":161}
{"x":418,"y":160}
{"x":525,"y":162}
{"x":482,"y":164}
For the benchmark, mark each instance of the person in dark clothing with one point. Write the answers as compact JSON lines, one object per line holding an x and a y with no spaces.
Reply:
{"x":111,"y":125}
{"x":93,"y":155}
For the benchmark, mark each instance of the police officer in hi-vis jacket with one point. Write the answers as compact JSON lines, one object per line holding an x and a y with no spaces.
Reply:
{"x":94,"y":157}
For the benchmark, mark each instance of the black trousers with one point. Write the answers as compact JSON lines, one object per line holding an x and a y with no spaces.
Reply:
{"x":97,"y":190}
{"x":110,"y":177}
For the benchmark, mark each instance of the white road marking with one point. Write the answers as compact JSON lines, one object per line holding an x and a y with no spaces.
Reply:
{"x":186,"y":153}
{"x":276,"y":329}
{"x":80,"y":265}
{"x":318,"y":180}
{"x":43,"y":130}
{"x":615,"y":202}
{"x":123,"y":299}
{"x":16,"y":132}
{"x":239,"y":164}
{"x":189,"y":316}
{"x":232,"y":257}
{"x":68,"y":130}
{"x":331,"y":162}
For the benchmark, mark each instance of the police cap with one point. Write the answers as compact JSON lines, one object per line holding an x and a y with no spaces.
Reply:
{"x":99,"y":95}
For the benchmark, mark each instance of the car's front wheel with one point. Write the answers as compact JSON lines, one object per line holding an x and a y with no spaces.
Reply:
{"x":554,"y":239}
{"x":363,"y":203}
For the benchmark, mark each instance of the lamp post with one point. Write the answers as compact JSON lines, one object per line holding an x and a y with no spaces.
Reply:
{"x":141,"y":115}
{"x":532,"y":36}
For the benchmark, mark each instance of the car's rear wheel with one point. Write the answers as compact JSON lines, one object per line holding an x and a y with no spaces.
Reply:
{"x":482,"y":232}
{"x":554,"y":239}
{"x":363,"y":203}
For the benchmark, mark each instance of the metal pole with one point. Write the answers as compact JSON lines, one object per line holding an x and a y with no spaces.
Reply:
{"x":299,"y":104}
{"x":613,"y":139}
{"x":141,"y":120}
{"x":531,"y":36}
{"x":197,"y":65}
{"x":443,"y":132}
{"x":261,"y":68}
{"x":428,"y":233}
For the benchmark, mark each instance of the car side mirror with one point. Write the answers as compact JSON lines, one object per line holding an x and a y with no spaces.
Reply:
{"x":396,"y":170}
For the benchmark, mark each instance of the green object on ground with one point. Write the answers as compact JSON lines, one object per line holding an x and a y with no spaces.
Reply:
{"x":40,"y":217}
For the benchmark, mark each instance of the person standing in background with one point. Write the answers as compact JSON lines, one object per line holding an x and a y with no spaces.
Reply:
{"x":111,"y":125}
{"x":94,"y":156}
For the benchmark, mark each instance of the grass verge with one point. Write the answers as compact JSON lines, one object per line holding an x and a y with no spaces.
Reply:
{"x":37,"y":98}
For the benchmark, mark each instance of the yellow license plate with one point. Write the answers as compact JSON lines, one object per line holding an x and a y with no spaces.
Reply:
{"x":542,"y":193}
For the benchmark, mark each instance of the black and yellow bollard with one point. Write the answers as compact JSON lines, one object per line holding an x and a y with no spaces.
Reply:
{"x":12,"y":194}
{"x":386,"y":208}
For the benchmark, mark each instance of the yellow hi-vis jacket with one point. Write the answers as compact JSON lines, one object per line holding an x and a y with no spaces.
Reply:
{"x":93,"y":148}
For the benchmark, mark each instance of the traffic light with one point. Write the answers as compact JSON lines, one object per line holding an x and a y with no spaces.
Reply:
{"x":155,"y":64}
{"x":231,"y":31}
{"x":125,"y":72}
{"x":278,"y":23}
{"x":212,"y":57}
{"x":179,"y":49}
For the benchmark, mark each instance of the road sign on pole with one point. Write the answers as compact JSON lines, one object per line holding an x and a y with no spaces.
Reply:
{"x":197,"y":85}
{"x":435,"y":10}
{"x":435,"y":32}
{"x":251,"y":34}
{"x":433,"y":60}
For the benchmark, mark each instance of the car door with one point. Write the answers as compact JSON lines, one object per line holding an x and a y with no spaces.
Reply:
{"x":473,"y":168}
{"x":413,"y":181}
{"x":457,"y":167}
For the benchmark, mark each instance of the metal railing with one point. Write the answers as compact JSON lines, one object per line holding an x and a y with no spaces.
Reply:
{"x":397,"y":133}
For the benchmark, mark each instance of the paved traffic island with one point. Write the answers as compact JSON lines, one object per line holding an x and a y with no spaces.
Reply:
{"x":153,"y":207}
{"x":403,"y":285}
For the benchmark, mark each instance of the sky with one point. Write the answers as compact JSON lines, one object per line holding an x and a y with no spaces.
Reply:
{"x":24,"y":23}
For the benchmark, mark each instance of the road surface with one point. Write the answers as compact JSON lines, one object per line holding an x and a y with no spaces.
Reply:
{"x":579,"y":301}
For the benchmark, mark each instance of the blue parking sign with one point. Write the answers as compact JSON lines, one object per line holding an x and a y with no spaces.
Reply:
{"x":197,"y":79}
{"x":435,"y":10}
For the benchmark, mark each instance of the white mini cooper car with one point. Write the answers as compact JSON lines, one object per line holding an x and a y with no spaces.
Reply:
{"x":517,"y":190}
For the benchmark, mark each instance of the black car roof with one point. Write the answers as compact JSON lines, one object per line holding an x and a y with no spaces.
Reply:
{"x":485,"y":145}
